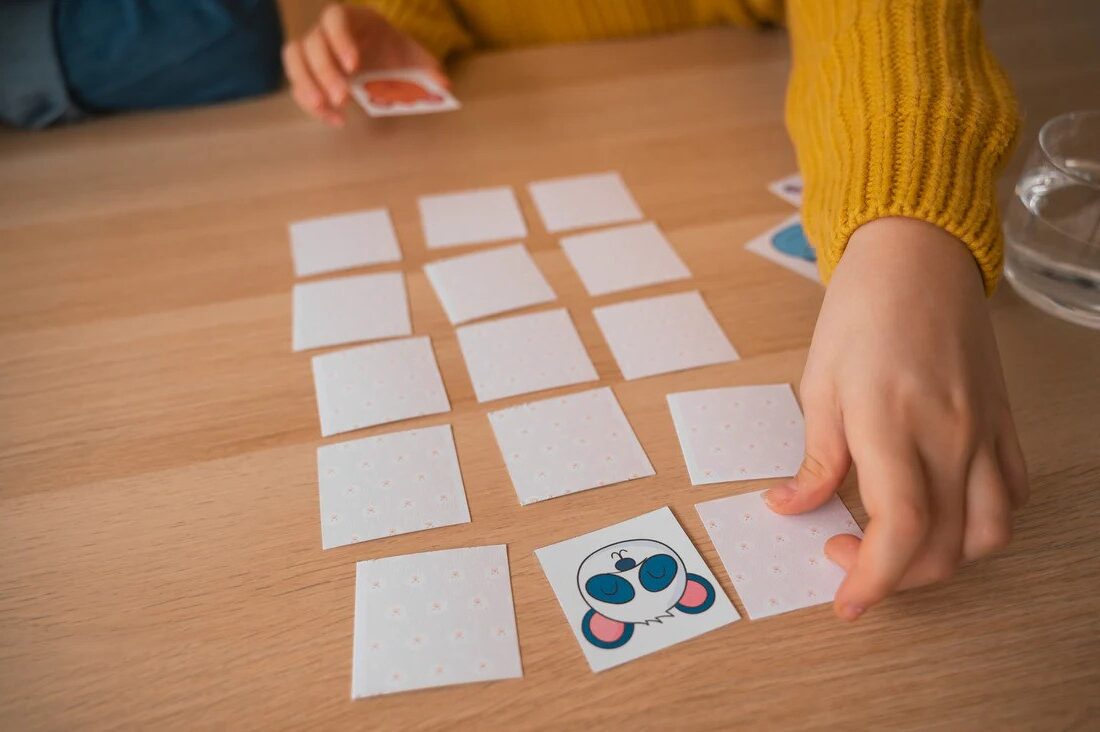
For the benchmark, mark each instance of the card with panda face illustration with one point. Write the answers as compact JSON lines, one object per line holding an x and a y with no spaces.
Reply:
{"x":634,"y":588}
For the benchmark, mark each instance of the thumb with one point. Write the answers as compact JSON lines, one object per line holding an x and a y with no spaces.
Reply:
{"x":823,"y":468}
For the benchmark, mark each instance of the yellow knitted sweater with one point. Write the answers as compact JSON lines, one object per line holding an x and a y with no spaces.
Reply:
{"x":896,"y":107}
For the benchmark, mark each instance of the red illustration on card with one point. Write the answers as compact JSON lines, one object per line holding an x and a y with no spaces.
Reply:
{"x":388,"y":92}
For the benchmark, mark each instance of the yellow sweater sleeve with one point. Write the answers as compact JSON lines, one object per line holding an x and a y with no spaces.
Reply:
{"x":432,"y":23}
{"x":897,"y":108}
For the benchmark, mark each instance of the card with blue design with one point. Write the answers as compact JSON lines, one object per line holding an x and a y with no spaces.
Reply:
{"x":787,"y":246}
{"x":634,"y":588}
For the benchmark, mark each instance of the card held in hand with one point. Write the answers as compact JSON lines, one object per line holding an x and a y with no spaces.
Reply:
{"x":398,"y":92}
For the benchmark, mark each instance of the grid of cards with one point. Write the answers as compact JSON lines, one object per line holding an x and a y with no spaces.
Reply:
{"x":446,"y":617}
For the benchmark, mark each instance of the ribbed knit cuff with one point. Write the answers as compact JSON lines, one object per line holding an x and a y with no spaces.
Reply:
{"x":898,"y":109}
{"x":431,"y":23}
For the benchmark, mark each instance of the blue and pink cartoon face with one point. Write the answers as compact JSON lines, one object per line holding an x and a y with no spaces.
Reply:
{"x":636,"y":582}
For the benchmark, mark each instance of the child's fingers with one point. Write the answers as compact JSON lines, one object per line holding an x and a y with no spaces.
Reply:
{"x":323,"y":67}
{"x":823,"y":468}
{"x":337,"y":30}
{"x":988,"y":528}
{"x":897,"y":529}
{"x":304,"y":89}
{"x":943,"y":544}
{"x":988,"y":508}
{"x":843,"y":550}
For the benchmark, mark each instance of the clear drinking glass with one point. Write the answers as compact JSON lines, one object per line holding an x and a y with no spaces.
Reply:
{"x":1052,"y":227}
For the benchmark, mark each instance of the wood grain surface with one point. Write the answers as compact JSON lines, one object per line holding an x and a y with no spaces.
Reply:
{"x":160,"y":560}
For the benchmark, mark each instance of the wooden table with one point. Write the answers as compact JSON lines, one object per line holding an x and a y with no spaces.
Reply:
{"x":161,"y":561}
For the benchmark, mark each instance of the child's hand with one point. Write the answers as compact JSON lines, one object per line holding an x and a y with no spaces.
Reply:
{"x":903,"y":379}
{"x":346,"y":40}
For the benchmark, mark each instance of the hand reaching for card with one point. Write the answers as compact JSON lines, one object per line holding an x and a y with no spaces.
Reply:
{"x":903,"y":379}
{"x":348,"y":39}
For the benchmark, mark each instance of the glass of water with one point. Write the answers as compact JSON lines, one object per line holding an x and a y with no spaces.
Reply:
{"x":1052,"y":227}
